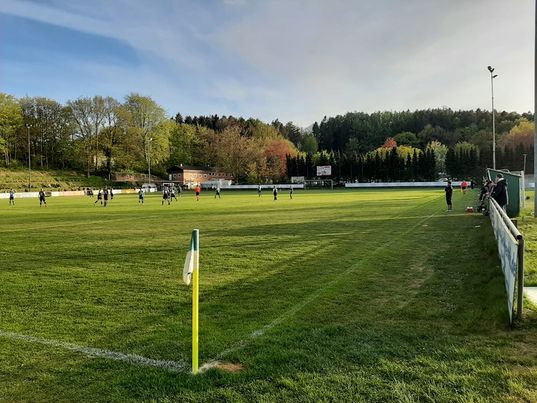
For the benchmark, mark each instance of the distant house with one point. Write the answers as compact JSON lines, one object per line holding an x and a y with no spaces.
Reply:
{"x":187,"y":175}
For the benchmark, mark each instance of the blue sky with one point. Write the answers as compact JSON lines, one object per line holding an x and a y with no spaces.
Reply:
{"x":295,"y":60}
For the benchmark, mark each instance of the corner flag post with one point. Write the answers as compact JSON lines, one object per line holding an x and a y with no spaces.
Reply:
{"x":191,"y":274}
{"x":195,"y":301}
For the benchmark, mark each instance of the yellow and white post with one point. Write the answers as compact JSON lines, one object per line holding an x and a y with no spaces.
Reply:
{"x":195,"y":301}
{"x":191,"y":272}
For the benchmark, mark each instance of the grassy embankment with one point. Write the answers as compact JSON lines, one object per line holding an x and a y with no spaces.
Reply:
{"x":48,"y":179}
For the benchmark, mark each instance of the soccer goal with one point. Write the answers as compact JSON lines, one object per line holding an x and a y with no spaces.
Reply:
{"x":319,"y":184}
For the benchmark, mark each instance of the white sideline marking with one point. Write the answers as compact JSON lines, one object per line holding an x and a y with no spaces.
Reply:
{"x":173,"y":366}
{"x":208,"y":365}
{"x":294,"y":309}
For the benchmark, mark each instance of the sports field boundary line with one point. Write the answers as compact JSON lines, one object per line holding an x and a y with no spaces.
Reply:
{"x":297,"y":307}
{"x":172,"y":366}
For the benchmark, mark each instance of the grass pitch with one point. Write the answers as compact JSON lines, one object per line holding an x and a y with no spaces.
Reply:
{"x":331,"y":296}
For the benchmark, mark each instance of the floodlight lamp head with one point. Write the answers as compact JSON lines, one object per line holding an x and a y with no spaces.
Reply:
{"x":491,"y":69}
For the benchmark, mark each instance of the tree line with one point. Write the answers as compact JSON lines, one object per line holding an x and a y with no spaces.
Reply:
{"x":101,"y":135}
{"x":393,"y":162}
{"x":462,"y":140}
{"x":388,"y":166}
{"x":361,"y":132}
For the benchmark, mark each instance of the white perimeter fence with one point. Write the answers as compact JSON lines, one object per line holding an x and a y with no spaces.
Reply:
{"x":435,"y":184}
{"x":25,"y":195}
{"x":511,"y":251}
{"x":254,"y":187}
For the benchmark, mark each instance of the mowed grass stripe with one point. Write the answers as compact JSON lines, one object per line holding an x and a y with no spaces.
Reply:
{"x":108,"y":275}
{"x":335,"y":279}
{"x":75,"y":295}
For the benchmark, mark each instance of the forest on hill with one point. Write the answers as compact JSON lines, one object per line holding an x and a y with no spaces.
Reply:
{"x":102,"y":136}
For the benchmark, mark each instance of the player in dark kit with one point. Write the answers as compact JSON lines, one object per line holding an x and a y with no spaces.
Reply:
{"x":99,"y":197}
{"x":291,"y":193}
{"x":141,"y":196}
{"x":258,"y":190}
{"x":172,"y":193}
{"x":275,"y":193}
{"x":12,"y":197}
{"x":165,"y":196}
{"x":449,"y":193}
{"x":217,"y":192}
{"x":105,"y":196}
{"x":42,"y":198}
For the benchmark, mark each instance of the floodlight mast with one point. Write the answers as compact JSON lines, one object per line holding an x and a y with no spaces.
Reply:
{"x":535,"y":118}
{"x":28,"y":126}
{"x":492,"y":77}
{"x":149,"y":160}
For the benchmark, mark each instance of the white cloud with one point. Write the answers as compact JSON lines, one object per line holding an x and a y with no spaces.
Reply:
{"x":340,"y":56}
{"x":301,"y":60}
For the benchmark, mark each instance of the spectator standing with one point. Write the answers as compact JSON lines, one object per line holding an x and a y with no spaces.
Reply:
{"x":499,"y":192}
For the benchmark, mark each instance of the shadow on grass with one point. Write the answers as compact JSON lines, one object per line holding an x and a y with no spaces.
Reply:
{"x":429,"y":323}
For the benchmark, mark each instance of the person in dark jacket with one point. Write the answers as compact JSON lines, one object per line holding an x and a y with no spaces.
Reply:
{"x":499,"y":192}
{"x":449,"y":193}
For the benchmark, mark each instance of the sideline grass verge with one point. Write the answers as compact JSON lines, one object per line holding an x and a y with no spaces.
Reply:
{"x":421,"y":316}
{"x":527,"y":225}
